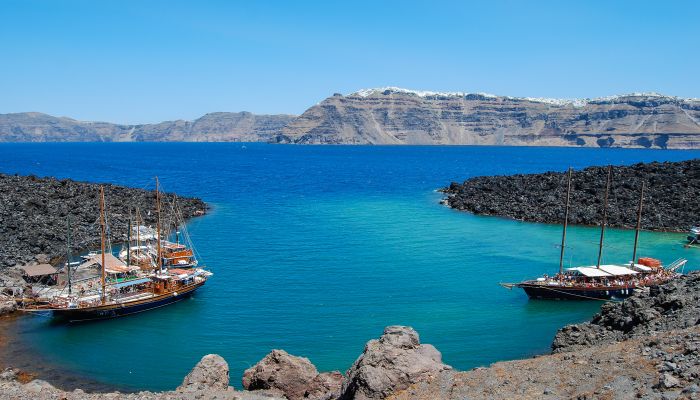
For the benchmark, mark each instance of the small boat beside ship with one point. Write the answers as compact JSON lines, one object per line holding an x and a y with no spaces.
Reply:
{"x":144,"y":278}
{"x":600,"y":281}
{"x":694,"y":236}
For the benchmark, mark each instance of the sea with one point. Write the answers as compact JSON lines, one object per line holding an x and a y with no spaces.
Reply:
{"x":316,"y":249}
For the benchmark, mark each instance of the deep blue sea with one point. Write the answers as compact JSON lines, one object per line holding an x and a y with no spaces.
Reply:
{"x":315,"y":249}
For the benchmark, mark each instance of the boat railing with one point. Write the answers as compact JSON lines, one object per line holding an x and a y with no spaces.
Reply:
{"x":678,"y":264}
{"x":121,"y":296}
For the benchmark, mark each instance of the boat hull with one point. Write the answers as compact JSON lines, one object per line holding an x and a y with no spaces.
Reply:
{"x":119,"y":310}
{"x":545,"y":292}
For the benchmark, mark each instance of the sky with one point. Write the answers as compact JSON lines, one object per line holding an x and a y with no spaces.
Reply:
{"x":132,"y":61}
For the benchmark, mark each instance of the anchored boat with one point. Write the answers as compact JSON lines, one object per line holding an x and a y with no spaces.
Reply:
{"x":124,"y":287}
{"x":600,"y":282}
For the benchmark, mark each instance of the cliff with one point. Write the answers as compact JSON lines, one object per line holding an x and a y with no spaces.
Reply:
{"x":213,"y":127}
{"x":670,"y":200}
{"x":400,"y":116}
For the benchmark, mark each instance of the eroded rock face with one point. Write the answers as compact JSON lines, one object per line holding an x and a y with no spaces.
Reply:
{"x":394,"y":362}
{"x":295,"y":377}
{"x":210,"y":373}
{"x":399,"y":116}
{"x":325,"y":386}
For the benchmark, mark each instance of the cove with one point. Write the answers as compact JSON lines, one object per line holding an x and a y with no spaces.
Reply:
{"x":316,"y":249}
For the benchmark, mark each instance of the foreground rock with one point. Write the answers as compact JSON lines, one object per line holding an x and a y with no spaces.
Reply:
{"x":642,"y":368}
{"x":675,"y":305}
{"x":210,"y":373}
{"x":294,"y":377}
{"x":34,"y":213}
{"x":392,"y":363}
{"x":665,"y":365}
{"x":7,"y":305}
{"x":208,"y":380}
{"x":647,"y":347}
{"x":670,"y":196}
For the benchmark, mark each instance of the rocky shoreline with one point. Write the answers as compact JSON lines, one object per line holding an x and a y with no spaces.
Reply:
{"x":34,"y":214}
{"x":670,"y":201}
{"x":646,"y":347}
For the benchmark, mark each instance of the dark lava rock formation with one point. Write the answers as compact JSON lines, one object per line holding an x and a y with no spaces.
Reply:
{"x":675,"y":305}
{"x":34,"y":214}
{"x":670,"y":200}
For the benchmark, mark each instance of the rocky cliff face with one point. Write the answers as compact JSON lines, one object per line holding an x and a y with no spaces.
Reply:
{"x":213,"y":127}
{"x":400,"y":116}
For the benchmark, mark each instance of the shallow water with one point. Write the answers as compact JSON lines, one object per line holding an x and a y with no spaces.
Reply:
{"x":316,"y":249}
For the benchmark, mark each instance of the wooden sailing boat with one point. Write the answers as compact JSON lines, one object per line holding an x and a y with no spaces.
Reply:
{"x":138,"y":292}
{"x":599,"y":282}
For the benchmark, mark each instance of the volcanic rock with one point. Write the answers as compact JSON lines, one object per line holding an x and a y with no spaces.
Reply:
{"x":7,"y":305}
{"x":670,"y":196}
{"x":675,"y":305}
{"x":295,"y":377}
{"x":394,"y":362}
{"x":34,"y":214}
{"x":210,"y":373}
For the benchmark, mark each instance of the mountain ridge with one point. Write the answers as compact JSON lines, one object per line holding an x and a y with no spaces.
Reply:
{"x":211,"y":127}
{"x":402,"y":116}
{"x":398,"y":116}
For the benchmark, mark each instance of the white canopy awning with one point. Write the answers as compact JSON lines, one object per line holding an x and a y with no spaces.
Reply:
{"x":618,"y":270}
{"x":640,"y":267}
{"x":590,"y":272}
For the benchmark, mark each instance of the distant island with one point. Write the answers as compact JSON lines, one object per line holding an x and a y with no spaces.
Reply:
{"x":212,"y":127}
{"x":395,"y":116}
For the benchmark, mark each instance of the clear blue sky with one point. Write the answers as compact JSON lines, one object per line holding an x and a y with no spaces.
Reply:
{"x":147,"y":61}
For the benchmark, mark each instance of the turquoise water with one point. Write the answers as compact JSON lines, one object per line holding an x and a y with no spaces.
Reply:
{"x":316,"y":249}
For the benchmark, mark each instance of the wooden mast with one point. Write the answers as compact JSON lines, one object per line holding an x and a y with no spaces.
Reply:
{"x":160,"y":259}
{"x":128,"y":244}
{"x":70,"y":286}
{"x":138,"y":234}
{"x":639,"y":225}
{"x":566,"y":223}
{"x":102,"y":223}
{"x":605,"y":217}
